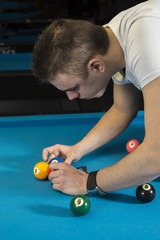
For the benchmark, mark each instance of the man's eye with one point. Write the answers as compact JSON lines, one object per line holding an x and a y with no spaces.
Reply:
{"x":74,"y":89}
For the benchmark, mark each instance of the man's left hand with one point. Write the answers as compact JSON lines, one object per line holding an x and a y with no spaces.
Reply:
{"x":68,"y":179}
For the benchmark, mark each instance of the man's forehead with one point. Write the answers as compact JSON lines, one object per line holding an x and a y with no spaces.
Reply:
{"x":64,"y":82}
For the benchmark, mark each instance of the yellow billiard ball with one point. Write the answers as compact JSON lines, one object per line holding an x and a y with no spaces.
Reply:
{"x":41,"y":170}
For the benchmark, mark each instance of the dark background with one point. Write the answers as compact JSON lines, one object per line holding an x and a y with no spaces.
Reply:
{"x":20,"y":92}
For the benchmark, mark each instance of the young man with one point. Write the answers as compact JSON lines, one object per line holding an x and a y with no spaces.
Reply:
{"x":80,"y":58}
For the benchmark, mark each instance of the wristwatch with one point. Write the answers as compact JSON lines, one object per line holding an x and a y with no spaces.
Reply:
{"x":92,"y":187}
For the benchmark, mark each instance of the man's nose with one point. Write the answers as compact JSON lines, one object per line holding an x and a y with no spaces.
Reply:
{"x":72,"y":95}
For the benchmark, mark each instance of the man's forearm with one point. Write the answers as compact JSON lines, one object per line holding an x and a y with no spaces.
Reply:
{"x":136,"y":168}
{"x":113,"y":123}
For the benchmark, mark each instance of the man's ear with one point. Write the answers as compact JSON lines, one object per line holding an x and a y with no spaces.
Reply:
{"x":96,"y":65}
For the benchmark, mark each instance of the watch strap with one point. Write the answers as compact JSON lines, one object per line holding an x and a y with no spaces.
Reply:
{"x":92,"y":186}
{"x":91,"y":181}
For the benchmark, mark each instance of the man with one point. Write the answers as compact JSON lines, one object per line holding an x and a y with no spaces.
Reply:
{"x":80,"y":58}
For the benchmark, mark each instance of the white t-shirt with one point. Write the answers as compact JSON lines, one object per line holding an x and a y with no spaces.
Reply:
{"x":138,"y":32}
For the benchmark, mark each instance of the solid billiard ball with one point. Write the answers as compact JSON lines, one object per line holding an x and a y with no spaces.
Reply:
{"x":145,"y":193}
{"x":80,"y":205}
{"x":132,"y":145}
{"x":41,"y":170}
{"x":56,"y":159}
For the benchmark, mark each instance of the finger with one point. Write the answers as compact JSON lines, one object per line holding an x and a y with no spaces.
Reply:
{"x":56,"y":186}
{"x":51,"y":157}
{"x":50,"y":150}
{"x":55,"y":180}
{"x":68,"y":160}
{"x":45,"y":153}
{"x":55,"y":166}
{"x":52,"y":175}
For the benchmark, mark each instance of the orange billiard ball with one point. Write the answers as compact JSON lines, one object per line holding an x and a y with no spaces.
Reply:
{"x":41,"y":170}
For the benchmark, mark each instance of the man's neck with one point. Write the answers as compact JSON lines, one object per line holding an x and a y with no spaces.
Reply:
{"x":115,"y":54}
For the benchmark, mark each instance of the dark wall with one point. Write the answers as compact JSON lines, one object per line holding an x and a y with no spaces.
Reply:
{"x":22,"y":94}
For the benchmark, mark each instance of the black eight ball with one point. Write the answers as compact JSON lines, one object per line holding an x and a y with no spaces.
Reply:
{"x":145,"y":193}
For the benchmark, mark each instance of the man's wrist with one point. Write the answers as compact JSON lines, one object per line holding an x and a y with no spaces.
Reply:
{"x":92,"y":187}
{"x":83,"y":147}
{"x":79,"y":149}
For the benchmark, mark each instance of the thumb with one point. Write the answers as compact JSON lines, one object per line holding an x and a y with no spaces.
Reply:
{"x":68,"y":160}
{"x":71,"y":159}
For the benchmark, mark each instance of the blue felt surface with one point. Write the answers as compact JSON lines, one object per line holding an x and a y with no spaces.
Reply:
{"x":31,"y":209}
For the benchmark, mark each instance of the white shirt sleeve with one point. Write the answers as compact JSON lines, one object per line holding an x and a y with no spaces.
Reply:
{"x":143,"y":53}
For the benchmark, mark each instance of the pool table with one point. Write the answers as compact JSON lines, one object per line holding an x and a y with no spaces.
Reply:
{"x":18,"y":15}
{"x":15,"y":62}
{"x":31,"y":209}
{"x":15,"y":5}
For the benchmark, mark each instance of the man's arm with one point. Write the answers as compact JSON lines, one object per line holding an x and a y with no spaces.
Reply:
{"x":140,"y":166}
{"x":143,"y":164}
{"x":115,"y":121}
{"x":128,"y":171}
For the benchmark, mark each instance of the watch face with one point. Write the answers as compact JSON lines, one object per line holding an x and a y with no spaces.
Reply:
{"x":96,"y":191}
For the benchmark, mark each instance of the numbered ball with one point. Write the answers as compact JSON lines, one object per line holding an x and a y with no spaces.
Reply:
{"x":56,"y":159}
{"x":132,"y":145}
{"x":80,"y":205}
{"x":145,"y":193}
{"x":41,"y":170}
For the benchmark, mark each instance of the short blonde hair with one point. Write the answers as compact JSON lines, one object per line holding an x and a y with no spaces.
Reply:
{"x":66,"y":46}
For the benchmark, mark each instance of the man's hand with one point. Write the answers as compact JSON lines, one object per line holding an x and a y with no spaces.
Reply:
{"x":68,"y":179}
{"x":68,"y":153}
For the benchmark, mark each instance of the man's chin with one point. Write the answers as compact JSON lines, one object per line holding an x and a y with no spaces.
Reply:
{"x":98,"y":95}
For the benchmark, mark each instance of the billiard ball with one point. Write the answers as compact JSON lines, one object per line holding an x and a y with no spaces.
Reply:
{"x":132,"y":145}
{"x":80,"y":205}
{"x":145,"y":193}
{"x":56,"y":159}
{"x":41,"y":170}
